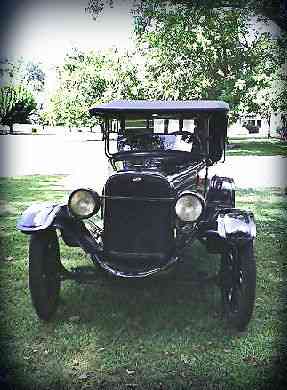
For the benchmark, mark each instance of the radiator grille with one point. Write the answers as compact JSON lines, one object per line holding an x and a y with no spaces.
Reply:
{"x":138,"y":220}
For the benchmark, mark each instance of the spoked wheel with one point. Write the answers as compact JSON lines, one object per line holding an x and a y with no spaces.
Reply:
{"x":238,"y":284}
{"x":44,"y":275}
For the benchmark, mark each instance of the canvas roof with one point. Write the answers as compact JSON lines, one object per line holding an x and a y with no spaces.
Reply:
{"x":119,"y":107}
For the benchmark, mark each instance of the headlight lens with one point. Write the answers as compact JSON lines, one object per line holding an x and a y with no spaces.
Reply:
{"x":84,"y":203}
{"x":189,"y":207}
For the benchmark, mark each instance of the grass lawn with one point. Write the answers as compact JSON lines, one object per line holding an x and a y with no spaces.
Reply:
{"x":159,"y":335}
{"x":256,"y":147}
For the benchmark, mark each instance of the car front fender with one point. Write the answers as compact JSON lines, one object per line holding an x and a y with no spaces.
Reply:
{"x":38,"y":216}
{"x":230,"y":226}
{"x":235,"y":224}
{"x":41,"y":216}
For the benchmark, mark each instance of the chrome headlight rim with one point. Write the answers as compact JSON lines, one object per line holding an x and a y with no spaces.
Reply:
{"x":96,"y":199}
{"x":188,"y":193}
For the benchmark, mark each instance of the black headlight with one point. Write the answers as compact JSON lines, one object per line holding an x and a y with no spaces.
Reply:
{"x":83,"y":203}
{"x":189,"y":206}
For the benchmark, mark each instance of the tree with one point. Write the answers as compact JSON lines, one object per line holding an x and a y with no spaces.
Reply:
{"x":33,"y":77}
{"x":280,"y":101}
{"x":21,"y":81}
{"x":205,"y":49}
{"x":274,"y":99}
{"x":28,"y":74}
{"x":16,"y":104}
{"x":206,"y":53}
{"x":275,"y":10}
{"x":88,"y":78}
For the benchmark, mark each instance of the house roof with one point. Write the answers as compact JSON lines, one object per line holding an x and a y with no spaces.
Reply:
{"x":119,"y":107}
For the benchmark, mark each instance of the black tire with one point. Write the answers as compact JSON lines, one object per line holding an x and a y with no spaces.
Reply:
{"x":44,"y":276}
{"x":238,"y":284}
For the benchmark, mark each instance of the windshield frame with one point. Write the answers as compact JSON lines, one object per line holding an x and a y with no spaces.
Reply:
{"x":212,"y":127}
{"x":114,"y":125}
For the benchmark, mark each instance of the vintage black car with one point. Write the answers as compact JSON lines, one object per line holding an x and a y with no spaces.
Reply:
{"x":153,"y":206}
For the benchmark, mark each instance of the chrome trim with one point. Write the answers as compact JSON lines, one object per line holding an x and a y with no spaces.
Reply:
{"x":236,"y":222}
{"x":151,"y":199}
{"x":181,"y":179}
{"x":138,"y":275}
{"x":196,"y":195}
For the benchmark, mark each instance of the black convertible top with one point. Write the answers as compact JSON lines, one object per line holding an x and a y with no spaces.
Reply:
{"x":119,"y":107}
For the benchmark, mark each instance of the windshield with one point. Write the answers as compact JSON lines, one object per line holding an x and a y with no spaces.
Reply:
{"x":157,"y":142}
{"x":149,"y":135}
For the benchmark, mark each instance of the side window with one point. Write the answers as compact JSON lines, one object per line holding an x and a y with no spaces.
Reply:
{"x":138,"y":126}
{"x":113,"y":125}
{"x":158,"y":125}
{"x":169,"y":126}
{"x":166,"y":126}
{"x":173,"y":125}
{"x":188,"y":125}
{"x":135,"y":124}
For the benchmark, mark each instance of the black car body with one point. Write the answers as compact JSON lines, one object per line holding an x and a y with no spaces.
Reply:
{"x":153,"y":206}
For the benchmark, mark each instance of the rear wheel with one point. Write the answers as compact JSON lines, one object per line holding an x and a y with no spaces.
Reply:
{"x":238,"y":284}
{"x":44,"y":275}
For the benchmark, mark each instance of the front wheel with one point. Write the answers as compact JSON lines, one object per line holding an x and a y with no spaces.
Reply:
{"x":238,"y":284}
{"x":44,"y":278}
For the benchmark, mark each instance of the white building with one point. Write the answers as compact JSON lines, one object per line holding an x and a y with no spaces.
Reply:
{"x":257,"y":126}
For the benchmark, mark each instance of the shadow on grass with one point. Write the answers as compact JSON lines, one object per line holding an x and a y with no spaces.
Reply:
{"x":116,"y":333}
{"x":182,"y":300}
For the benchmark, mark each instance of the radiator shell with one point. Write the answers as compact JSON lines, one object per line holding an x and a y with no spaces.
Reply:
{"x":138,"y":220}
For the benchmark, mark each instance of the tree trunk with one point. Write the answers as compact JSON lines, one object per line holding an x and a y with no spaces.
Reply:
{"x":269,"y":130}
{"x":11,"y":128}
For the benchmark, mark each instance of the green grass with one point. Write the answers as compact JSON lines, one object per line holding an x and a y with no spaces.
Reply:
{"x":163,"y":334}
{"x":256,"y":147}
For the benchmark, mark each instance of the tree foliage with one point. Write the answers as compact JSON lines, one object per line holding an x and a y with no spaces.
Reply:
{"x":275,"y":10}
{"x":26,"y":73}
{"x":210,"y":49}
{"x":207,"y":53}
{"x":34,"y":76}
{"x":16,"y":104}
{"x":88,"y":78}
